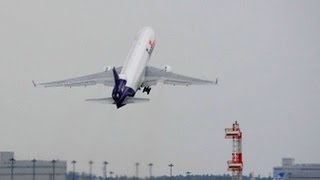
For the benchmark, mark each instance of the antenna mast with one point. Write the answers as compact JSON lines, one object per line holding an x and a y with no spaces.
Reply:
{"x":235,"y":164}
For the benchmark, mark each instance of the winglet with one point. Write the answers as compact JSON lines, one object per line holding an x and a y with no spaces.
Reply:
{"x":216,"y":82}
{"x":34,"y":84}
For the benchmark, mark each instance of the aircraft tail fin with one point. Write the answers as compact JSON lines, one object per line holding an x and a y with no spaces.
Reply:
{"x":115,"y":75}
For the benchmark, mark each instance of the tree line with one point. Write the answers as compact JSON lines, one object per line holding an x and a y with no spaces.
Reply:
{"x":86,"y":176}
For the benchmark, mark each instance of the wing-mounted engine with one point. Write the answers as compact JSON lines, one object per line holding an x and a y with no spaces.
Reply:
{"x":107,"y":68}
{"x":166,"y":68}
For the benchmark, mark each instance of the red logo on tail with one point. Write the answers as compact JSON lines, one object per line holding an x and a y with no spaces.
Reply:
{"x":152,"y":43}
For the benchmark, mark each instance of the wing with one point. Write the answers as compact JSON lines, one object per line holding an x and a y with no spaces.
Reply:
{"x":105,"y":78}
{"x":129,"y":100}
{"x":155,"y":75}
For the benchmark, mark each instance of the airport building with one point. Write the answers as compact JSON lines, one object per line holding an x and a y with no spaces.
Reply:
{"x":10,"y":168}
{"x":291,"y":171}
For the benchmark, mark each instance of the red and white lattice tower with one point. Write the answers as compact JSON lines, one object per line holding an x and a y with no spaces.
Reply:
{"x":236,"y":164}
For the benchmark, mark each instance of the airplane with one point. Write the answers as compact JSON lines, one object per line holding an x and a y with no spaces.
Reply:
{"x":134,"y":75}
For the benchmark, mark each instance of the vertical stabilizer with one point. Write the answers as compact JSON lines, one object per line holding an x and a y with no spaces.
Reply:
{"x":115,"y":76}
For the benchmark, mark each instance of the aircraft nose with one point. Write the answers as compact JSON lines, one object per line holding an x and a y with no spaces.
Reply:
{"x":147,"y":28}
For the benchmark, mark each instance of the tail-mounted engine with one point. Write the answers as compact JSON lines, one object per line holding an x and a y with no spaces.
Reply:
{"x":107,"y":68}
{"x":167,"y":68}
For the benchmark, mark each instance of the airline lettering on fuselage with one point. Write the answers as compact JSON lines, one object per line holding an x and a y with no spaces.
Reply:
{"x":152,"y":44}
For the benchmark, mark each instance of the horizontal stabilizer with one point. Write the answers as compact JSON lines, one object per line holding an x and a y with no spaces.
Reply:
{"x":129,"y":100}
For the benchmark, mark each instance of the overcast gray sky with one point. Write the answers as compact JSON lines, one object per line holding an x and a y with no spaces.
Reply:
{"x":265,"y":53}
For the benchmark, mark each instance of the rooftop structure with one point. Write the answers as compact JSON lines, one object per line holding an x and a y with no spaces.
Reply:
{"x":291,"y":171}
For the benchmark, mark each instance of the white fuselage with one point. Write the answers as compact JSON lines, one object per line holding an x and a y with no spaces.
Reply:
{"x":133,"y":70}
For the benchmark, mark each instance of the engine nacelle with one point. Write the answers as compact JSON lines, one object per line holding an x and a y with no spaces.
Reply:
{"x":167,"y":68}
{"x":107,"y":68}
